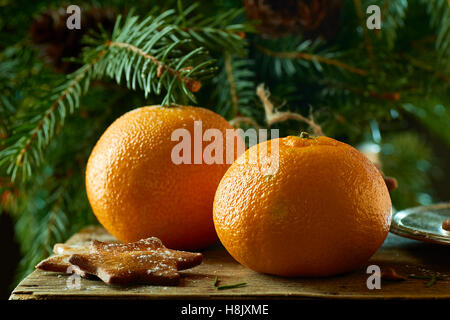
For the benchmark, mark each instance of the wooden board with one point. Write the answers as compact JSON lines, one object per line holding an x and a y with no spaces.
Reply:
{"x":404,"y":255}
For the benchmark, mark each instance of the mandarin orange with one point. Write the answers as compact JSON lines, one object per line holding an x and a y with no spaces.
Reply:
{"x":136,"y":190}
{"x":324,"y":211}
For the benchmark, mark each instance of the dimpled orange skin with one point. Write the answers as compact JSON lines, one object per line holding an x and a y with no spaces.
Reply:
{"x":324,"y":212}
{"x":136,"y":191}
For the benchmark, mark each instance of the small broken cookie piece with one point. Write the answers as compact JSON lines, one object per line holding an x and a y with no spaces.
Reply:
{"x":143,"y":262}
{"x":446,"y":225}
{"x":392,"y":275}
{"x":391,"y":183}
{"x":59,"y":262}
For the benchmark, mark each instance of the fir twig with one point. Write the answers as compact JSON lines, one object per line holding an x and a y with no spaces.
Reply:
{"x":64,"y":95}
{"x":432,"y":279}
{"x":422,"y":65}
{"x":24,"y":150}
{"x":310,"y":57}
{"x":389,"y":96}
{"x":150,"y":55}
{"x":393,"y":16}
{"x":192,"y":84}
{"x":41,"y":230}
{"x":232,"y":85}
{"x":235,"y":86}
{"x":367,"y":42}
{"x":141,"y":52}
{"x":439,"y":11}
{"x":224,"y":31}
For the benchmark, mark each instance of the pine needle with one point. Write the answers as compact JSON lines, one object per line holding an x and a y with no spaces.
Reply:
{"x":232,"y":286}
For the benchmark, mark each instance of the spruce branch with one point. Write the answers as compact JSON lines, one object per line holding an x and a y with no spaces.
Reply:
{"x":64,"y":95}
{"x":310,"y":57}
{"x":222,"y":32}
{"x":393,"y":17}
{"x":424,"y":66}
{"x":192,"y":84}
{"x":55,"y":222}
{"x":230,"y":79}
{"x":235,"y":86}
{"x":40,"y":227}
{"x":273,"y":117}
{"x":34,"y":129}
{"x":360,"y":13}
{"x":151,"y":55}
{"x":439,"y":11}
{"x":363,"y":92}
{"x":146,"y":53}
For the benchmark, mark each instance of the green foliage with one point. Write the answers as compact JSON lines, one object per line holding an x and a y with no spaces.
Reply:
{"x":149,"y":55}
{"x":237,"y":83}
{"x":33,"y":130}
{"x":163,"y":54}
{"x":290,"y":55}
{"x":393,"y":15}
{"x":407,"y":157}
{"x":439,"y":11}
{"x":433,"y":115}
{"x":217,"y":32}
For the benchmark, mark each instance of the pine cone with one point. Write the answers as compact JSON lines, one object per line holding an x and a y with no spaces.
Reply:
{"x":312,"y":18}
{"x":55,"y":41}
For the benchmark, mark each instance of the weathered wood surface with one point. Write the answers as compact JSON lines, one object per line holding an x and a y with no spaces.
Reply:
{"x":404,"y":255}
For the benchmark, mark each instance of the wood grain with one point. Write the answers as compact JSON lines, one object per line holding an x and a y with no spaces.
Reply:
{"x":404,"y":255}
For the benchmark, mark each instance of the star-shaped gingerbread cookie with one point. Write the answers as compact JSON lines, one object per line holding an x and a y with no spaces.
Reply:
{"x":146,"y":261}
